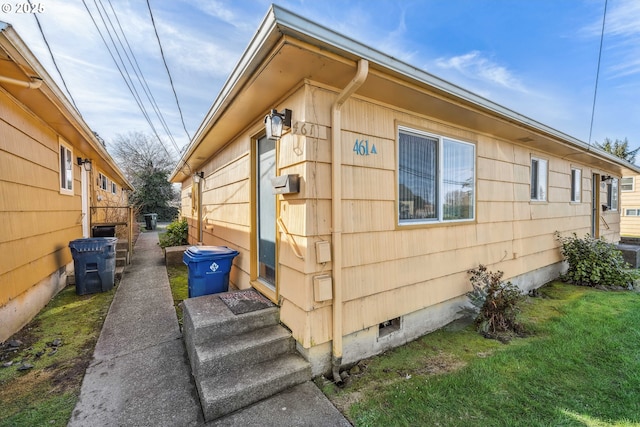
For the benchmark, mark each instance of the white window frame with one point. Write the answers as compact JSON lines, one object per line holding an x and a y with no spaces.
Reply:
{"x":102,"y":181}
{"x":576,"y":185}
{"x":65,"y":164}
{"x":613,"y":197}
{"x":536,"y":194}
{"x":623,"y":184}
{"x":114,"y":188}
{"x":628,"y":212}
{"x":440,"y":198}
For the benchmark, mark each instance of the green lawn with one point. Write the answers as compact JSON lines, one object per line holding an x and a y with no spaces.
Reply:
{"x":579,"y":366}
{"x":46,"y":394}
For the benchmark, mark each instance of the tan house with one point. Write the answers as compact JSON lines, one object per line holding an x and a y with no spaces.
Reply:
{"x":630,"y":206}
{"x":48,"y":196}
{"x":391,"y":183}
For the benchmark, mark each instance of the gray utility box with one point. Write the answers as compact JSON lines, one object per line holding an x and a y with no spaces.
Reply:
{"x":286,"y":184}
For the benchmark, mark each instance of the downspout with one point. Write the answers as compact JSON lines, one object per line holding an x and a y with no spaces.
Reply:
{"x":35,"y":83}
{"x":336,"y":212}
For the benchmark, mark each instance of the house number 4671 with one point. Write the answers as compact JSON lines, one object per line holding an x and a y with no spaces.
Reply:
{"x":362,"y":148}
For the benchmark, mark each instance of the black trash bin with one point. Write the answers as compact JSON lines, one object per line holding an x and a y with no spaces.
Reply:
{"x":151,"y":221}
{"x":94,"y":261}
{"x":103,"y":231}
{"x":209,"y":268}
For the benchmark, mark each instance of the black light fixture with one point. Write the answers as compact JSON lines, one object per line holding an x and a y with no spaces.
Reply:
{"x":275,"y":123}
{"x":84,"y":162}
{"x":607,"y":179}
{"x":198,"y":176}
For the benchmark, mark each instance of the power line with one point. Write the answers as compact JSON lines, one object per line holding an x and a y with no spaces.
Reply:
{"x":131,"y":89}
{"x":55,"y":64}
{"x":175,"y":95}
{"x":595,"y":91}
{"x":140,"y":75}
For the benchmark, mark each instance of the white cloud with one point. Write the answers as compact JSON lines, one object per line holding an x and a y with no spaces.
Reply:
{"x":474,"y":66}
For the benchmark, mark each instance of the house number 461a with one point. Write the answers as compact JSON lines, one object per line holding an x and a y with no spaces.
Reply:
{"x":361,"y":148}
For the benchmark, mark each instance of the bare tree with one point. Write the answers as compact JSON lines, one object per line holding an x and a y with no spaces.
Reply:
{"x":137,"y":153}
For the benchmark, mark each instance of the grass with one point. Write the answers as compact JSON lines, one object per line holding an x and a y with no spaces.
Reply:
{"x":47,"y":393}
{"x":580,"y":365}
{"x":178,"y":280}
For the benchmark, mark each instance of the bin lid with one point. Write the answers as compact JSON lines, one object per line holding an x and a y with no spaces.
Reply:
{"x":92,"y":244}
{"x":209,"y":251}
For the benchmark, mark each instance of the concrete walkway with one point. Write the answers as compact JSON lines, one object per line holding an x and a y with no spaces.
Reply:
{"x":140,"y":374}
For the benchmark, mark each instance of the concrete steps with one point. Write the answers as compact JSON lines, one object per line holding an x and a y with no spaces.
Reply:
{"x":238,"y":360}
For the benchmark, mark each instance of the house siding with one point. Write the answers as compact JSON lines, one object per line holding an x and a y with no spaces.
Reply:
{"x":389,"y":270}
{"x":630,"y":225}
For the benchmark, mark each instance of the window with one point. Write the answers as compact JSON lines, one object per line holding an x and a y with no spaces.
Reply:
{"x":612,"y":194}
{"x":102,"y":181}
{"x":114,"y":188}
{"x":576,"y":184}
{"x":66,"y":169}
{"x":538,"y":179}
{"x":436,"y":179}
{"x":626,"y":184}
{"x":632,"y":212}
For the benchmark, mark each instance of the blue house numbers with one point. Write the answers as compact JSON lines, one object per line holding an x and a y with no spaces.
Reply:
{"x":362,"y":148}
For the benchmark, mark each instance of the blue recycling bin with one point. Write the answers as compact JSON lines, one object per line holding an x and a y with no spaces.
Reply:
{"x":209,"y":268}
{"x":94,"y":261}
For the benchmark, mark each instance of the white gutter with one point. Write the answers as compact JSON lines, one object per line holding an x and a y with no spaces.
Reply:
{"x":336,"y":212}
{"x":35,"y":83}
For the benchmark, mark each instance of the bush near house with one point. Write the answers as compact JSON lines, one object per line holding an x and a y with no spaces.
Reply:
{"x":176,"y":235}
{"x":496,"y":303}
{"x":594,"y":262}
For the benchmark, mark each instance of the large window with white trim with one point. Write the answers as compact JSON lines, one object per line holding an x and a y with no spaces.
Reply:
{"x":66,"y":169}
{"x":436,"y":178}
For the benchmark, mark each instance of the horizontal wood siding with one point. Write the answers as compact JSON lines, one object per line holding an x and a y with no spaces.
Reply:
{"x":630,"y":225}
{"x":389,"y":270}
{"x":38,"y":221}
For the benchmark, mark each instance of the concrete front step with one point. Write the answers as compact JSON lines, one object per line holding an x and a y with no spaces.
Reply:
{"x":207,"y":318}
{"x":242,"y":386}
{"x":214,"y":357}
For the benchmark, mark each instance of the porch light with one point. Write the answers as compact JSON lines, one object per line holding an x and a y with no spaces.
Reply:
{"x":84,"y":162}
{"x":607,"y":179}
{"x":198,"y":176}
{"x":275,"y":122}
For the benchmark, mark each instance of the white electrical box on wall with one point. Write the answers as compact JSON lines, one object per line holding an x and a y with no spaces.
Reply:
{"x":323,"y":252}
{"x":322,"y":288}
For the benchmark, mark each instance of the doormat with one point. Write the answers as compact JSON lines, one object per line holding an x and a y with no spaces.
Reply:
{"x":245,"y":301}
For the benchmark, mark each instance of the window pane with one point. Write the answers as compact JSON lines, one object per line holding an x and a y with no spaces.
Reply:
{"x":614,"y":194}
{"x":626,"y":184}
{"x":576,"y":184}
{"x":63,"y":169}
{"x":457,"y":180}
{"x":538,"y":179}
{"x":417,"y":177}
{"x":69,"y":173}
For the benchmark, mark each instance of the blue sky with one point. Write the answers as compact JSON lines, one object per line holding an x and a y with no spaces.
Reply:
{"x":537,"y":57}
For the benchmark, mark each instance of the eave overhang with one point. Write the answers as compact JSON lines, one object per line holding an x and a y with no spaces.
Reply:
{"x":288,"y":49}
{"x":49,"y":103}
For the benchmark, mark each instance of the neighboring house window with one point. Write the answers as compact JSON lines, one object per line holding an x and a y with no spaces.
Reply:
{"x":576,"y":184}
{"x":114,"y":188}
{"x":626,"y":184}
{"x":66,"y":169}
{"x":538,"y":179}
{"x":436,"y":178}
{"x":612,"y":194}
{"x":632,"y":212}
{"x":102,"y":181}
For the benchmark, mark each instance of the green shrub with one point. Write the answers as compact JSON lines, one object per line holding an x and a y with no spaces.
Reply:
{"x":176,"y":235}
{"x":496,"y":303}
{"x":593,"y":262}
